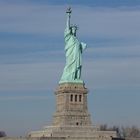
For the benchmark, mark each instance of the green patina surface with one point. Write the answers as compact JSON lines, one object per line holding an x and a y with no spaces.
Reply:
{"x":73,"y":51}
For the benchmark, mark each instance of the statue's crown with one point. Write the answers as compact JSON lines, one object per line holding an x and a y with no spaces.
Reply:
{"x":74,"y":26}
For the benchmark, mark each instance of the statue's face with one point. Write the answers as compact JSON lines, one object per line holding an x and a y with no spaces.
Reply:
{"x":74,"y":31}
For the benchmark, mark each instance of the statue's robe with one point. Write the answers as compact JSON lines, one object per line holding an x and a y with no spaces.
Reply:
{"x":73,"y":50}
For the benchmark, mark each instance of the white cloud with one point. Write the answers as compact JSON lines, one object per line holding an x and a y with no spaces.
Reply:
{"x":98,"y":73}
{"x":13,"y":98}
{"x":29,"y":76}
{"x":30,"y":18}
{"x":50,"y":19}
{"x":113,"y":74}
{"x":113,"y":23}
{"x":114,"y":51}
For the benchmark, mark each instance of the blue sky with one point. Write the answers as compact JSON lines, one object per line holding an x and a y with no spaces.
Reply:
{"x":32,"y":60}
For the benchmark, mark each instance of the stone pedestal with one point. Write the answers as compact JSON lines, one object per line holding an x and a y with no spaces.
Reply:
{"x":71,"y":105}
{"x":71,"y":120}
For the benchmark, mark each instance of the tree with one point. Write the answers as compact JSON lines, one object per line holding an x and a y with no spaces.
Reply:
{"x":131,"y":132}
{"x":2,"y":134}
{"x":104,"y":127}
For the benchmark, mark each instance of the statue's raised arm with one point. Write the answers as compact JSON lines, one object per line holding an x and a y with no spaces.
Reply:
{"x":69,"y":11}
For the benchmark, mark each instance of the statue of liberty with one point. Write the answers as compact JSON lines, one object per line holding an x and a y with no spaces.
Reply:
{"x":73,"y":52}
